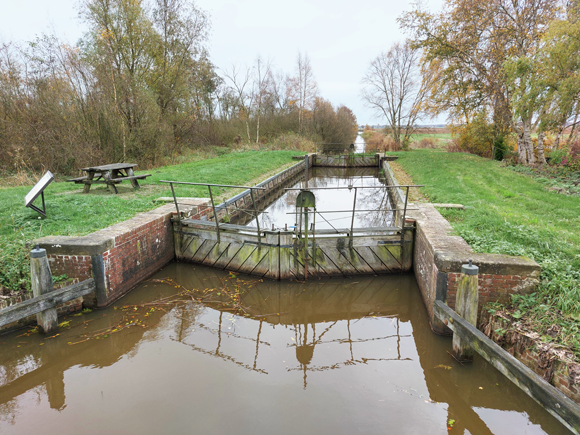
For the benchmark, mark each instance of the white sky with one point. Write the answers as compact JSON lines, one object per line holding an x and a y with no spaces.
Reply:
{"x":341,"y":37}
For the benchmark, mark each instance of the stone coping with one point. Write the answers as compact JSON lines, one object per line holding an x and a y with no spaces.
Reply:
{"x":102,"y":240}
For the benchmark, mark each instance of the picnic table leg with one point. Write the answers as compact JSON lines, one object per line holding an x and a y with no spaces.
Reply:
{"x":87,"y":187}
{"x":108,"y":179}
{"x":134,"y":182}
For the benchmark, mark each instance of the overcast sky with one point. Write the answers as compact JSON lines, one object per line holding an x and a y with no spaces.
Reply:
{"x":341,"y":37}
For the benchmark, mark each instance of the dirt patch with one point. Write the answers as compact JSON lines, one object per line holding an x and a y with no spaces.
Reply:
{"x":403,"y":178}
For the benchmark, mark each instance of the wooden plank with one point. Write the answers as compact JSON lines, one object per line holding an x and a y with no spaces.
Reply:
{"x":397,"y":252}
{"x":340,"y":261}
{"x":203,"y":251}
{"x":215,"y":253}
{"x":46,"y":301}
{"x":190,"y":247}
{"x":550,"y":398}
{"x":357,"y":261}
{"x":111,"y":167}
{"x":372,"y":260}
{"x":261,"y":258}
{"x":241,"y":257}
{"x":284,"y":263}
{"x":318,"y":261}
{"x":386,"y":257}
{"x":227,"y":255}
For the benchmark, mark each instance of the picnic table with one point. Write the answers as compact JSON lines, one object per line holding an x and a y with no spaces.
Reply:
{"x":111,"y":175}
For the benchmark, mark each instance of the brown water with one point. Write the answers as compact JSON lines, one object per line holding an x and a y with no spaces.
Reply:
{"x":338,"y":356}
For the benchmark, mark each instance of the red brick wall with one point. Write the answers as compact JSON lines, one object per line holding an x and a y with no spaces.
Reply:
{"x":492,"y":288}
{"x":74,"y":266}
{"x":142,"y":246}
{"x":137,"y":254}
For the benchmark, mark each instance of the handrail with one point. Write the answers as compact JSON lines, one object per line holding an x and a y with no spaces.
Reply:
{"x":209,"y":186}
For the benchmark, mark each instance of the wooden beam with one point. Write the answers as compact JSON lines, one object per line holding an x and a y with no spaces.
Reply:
{"x":548,"y":396}
{"x":48,"y":300}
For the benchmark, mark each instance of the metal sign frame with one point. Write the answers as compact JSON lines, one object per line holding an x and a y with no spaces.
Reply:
{"x":38,"y":190}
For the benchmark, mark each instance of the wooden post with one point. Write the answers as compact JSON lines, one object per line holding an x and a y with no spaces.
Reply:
{"x":41,"y":277}
{"x":466,"y":303}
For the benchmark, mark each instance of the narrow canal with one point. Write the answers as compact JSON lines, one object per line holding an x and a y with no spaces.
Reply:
{"x":335,"y":206}
{"x":198,"y":350}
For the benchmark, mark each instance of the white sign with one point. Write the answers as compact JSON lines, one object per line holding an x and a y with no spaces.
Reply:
{"x":38,"y":188}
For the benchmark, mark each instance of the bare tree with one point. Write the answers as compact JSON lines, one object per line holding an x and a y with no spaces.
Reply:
{"x":396,"y":87}
{"x":302,"y":87}
{"x":240,"y":80}
{"x":262,"y":76}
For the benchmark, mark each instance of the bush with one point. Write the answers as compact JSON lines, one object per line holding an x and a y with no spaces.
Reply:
{"x":500,"y":148}
{"x":477,"y":137}
{"x":376,"y":141}
{"x":425,"y":143}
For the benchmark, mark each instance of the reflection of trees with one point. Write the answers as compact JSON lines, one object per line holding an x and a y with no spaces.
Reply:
{"x":367,"y":199}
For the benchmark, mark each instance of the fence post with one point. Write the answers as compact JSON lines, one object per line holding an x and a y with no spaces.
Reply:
{"x":466,"y":303}
{"x":41,"y":277}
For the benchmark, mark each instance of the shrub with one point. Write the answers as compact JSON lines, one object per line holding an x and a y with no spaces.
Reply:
{"x":426,"y":142}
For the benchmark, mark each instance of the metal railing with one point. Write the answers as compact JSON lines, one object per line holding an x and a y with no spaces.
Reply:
{"x":215,"y":216}
{"x":354,"y":209}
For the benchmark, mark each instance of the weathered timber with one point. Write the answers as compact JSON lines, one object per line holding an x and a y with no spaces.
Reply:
{"x":554,"y":401}
{"x":387,"y":257}
{"x":466,"y":304}
{"x":45,"y":302}
{"x":41,"y":279}
{"x":241,"y":256}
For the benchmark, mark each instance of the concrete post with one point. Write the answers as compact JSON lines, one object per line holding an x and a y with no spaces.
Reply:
{"x":466,"y":303}
{"x":41,"y":277}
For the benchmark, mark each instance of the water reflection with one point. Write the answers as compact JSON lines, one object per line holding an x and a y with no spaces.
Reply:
{"x":278,"y":213}
{"x":341,"y":356}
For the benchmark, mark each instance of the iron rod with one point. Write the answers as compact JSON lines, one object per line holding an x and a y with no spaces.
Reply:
{"x":175,"y":201}
{"x":352,"y":220}
{"x":358,"y":211}
{"x":214,"y":185}
{"x":256,"y":216}
{"x":215,"y":217}
{"x":360,"y":187}
{"x":404,"y":215}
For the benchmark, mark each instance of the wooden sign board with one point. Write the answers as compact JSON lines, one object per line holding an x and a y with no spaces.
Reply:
{"x":38,"y":190}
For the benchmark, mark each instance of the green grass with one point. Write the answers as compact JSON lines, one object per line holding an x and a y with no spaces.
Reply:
{"x":72,"y":213}
{"x":436,"y":136}
{"x":509,"y":212}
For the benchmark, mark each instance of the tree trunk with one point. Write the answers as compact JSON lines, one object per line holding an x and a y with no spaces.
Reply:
{"x":557,"y":140}
{"x":522,"y":155}
{"x":541,"y":156}
{"x":529,"y":146}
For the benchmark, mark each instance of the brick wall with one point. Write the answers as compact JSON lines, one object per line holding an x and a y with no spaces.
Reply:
{"x":74,"y":266}
{"x":438,"y":256}
{"x":130,"y":251}
{"x":492,"y":288}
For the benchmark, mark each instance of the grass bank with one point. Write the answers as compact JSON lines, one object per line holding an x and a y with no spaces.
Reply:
{"x":72,"y":213}
{"x":510,"y":212}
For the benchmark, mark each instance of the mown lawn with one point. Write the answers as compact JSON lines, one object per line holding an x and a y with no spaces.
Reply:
{"x":512,"y":213}
{"x":70,"y":212}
